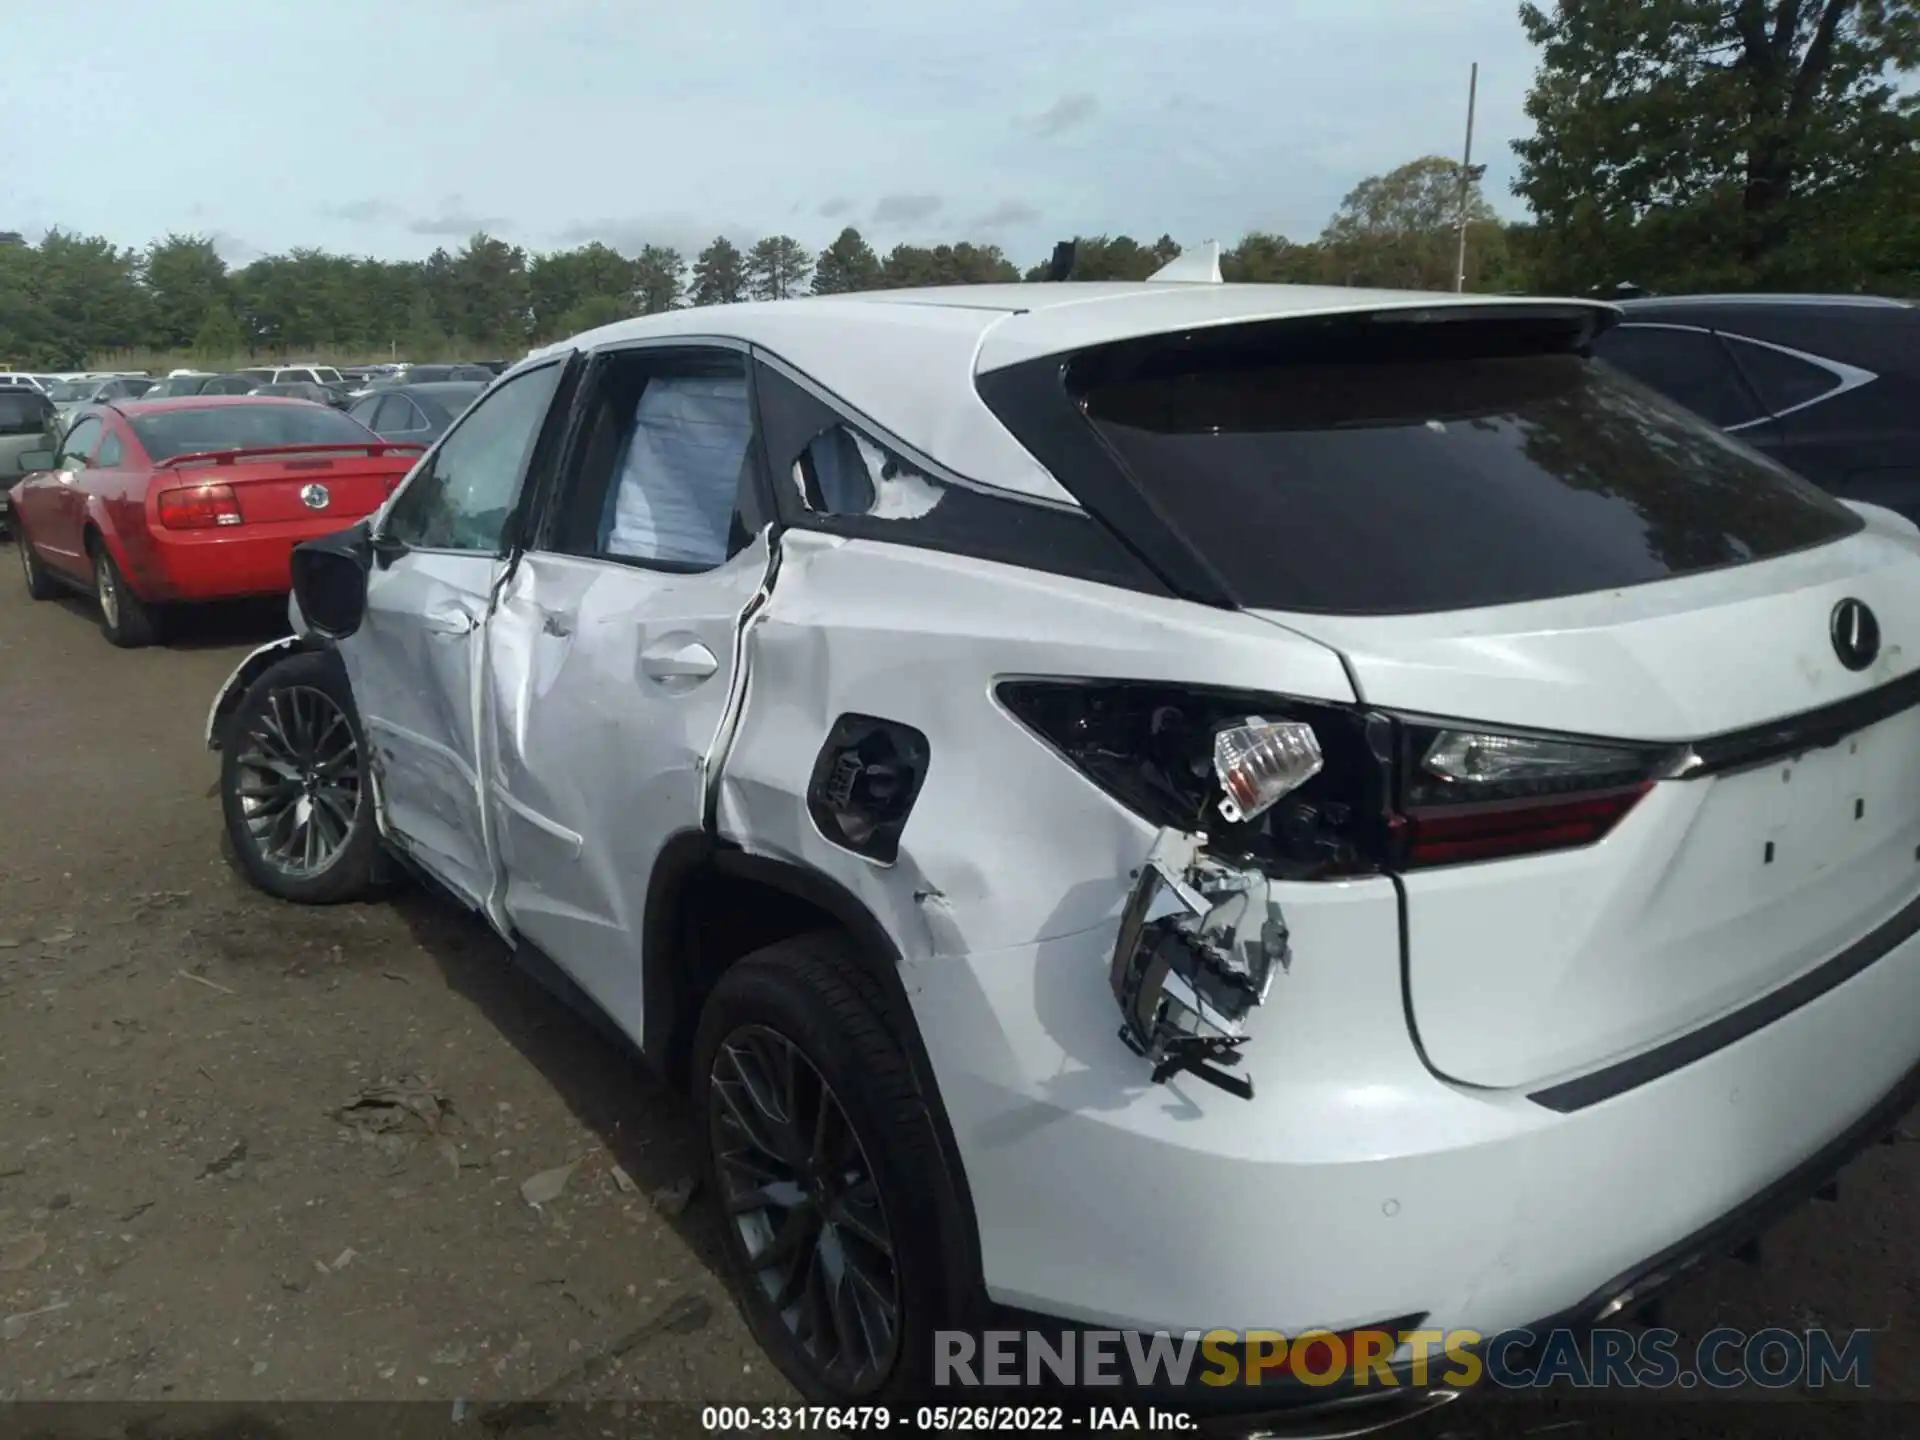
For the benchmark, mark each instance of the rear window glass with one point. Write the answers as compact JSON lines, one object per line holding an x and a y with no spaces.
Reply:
{"x":235,"y":427}
{"x":1343,"y":469}
{"x":23,"y":412}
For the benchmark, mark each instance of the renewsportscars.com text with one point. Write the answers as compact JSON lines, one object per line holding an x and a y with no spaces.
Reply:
{"x":1722,"y":1359}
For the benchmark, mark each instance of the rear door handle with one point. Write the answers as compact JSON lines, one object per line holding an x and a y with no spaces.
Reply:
{"x":673,"y":659}
{"x":452,"y":620}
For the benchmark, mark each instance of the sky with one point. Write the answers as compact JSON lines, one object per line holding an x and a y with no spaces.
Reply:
{"x":389,"y":127}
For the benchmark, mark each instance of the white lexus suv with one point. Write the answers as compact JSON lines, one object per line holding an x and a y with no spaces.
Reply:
{"x":1163,"y":807}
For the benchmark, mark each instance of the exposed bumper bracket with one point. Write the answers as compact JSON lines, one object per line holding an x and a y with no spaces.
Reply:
{"x":1199,"y":943}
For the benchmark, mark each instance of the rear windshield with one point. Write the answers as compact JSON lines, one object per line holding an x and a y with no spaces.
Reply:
{"x":1339,"y":470}
{"x":69,"y":390}
{"x":244,"y":427}
{"x":23,"y":412}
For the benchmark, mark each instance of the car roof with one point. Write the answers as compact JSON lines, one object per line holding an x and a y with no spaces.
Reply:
{"x":431,"y":388}
{"x":901,"y":337}
{"x":200,"y":402}
{"x":1649,"y":303}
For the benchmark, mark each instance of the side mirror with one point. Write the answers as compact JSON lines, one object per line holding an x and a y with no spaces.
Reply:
{"x":330,"y":581}
{"x":32,"y":460}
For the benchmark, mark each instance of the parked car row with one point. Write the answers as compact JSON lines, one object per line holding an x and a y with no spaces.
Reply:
{"x":1828,"y":385}
{"x":866,"y":702}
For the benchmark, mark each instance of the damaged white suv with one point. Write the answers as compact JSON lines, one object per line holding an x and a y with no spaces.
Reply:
{"x":1163,"y":807}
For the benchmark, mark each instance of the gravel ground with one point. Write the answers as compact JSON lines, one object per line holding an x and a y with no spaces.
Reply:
{"x":251,"y":1153}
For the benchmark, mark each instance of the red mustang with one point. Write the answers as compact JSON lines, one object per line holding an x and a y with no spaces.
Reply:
{"x":155,"y":503}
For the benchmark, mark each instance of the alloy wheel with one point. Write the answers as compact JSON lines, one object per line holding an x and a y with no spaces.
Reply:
{"x":805,"y":1204}
{"x":109,"y":591}
{"x":299,"y":784}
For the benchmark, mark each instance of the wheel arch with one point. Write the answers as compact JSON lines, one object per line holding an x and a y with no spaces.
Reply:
{"x":710,"y":903}
{"x":227,"y":700}
{"x":98,"y":530}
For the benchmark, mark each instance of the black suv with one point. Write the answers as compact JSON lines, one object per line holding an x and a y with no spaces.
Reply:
{"x":1829,"y":385}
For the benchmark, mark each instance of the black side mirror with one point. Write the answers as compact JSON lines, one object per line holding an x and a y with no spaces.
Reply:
{"x":387,"y":549}
{"x":330,"y":581}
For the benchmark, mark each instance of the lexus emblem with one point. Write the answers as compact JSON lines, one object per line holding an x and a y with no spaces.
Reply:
{"x":1856,"y":634}
{"x":315,"y":497}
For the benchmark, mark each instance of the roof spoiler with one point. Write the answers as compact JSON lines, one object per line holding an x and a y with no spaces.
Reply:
{"x":262,"y":452}
{"x":1199,"y":266}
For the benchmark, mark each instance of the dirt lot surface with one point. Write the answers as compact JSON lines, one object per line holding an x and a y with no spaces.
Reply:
{"x":205,"y":1196}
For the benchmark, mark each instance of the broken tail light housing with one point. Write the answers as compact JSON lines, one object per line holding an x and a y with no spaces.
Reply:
{"x":1302,"y":787}
{"x":1311,"y":790}
{"x":198,"y":507}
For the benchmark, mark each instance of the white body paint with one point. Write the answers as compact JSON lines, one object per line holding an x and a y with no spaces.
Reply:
{"x":1392,"y":1162}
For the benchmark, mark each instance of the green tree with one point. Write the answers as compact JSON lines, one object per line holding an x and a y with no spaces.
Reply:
{"x":218,"y":334}
{"x":659,"y":279}
{"x":847,"y":264}
{"x":1697,"y":143}
{"x":1116,"y":257}
{"x":560,"y":282}
{"x":185,"y":277}
{"x":719,"y":274}
{"x":962,"y":264}
{"x":777,"y":268}
{"x":489,"y":288}
{"x":91,"y":292}
{"x":1401,"y":230}
{"x":1261,"y":258}
{"x":593,"y":312}
{"x":424,"y":338}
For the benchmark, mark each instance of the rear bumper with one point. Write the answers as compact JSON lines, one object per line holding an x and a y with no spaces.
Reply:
{"x":1357,"y":1186}
{"x":188,"y":566}
{"x":1290,"y":1407}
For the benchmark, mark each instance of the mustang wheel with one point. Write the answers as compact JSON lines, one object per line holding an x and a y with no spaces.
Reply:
{"x":125,"y":619}
{"x":294,"y":786}
{"x":40,"y":584}
{"x":823,"y":1160}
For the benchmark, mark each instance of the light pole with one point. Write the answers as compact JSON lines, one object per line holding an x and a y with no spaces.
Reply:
{"x":1466,"y":181}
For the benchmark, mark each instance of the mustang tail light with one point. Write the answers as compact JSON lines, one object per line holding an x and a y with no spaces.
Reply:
{"x":1314,"y":790}
{"x":199,"y":507}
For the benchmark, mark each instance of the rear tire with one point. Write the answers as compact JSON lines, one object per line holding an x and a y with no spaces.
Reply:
{"x":881,"y":1180}
{"x":294,"y":784}
{"x":40,"y":584}
{"x":125,"y":619}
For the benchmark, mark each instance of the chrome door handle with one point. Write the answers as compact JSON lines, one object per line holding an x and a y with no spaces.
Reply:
{"x":684,"y":660}
{"x":453,"y":620}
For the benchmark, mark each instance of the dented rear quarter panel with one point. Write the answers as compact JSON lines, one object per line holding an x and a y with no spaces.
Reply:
{"x":1005,"y":902}
{"x":1007,"y":843}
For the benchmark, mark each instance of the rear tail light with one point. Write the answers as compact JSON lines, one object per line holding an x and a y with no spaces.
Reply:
{"x":1478,"y":795}
{"x":199,"y":507}
{"x":1313,"y":790}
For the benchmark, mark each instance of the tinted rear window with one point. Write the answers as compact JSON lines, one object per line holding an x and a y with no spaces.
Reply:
{"x":23,"y":412}
{"x":1342,"y":469}
{"x":236,"y":427}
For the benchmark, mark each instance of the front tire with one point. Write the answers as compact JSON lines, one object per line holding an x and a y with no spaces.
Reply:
{"x":822,"y":1158}
{"x":125,"y":619}
{"x":294,"y":785}
{"x":40,"y":584}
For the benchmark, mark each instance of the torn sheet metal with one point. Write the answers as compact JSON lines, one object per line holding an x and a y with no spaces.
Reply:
{"x":1006,"y":844}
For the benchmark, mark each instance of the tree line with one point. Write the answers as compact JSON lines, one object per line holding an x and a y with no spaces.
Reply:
{"x":1678,"y":145}
{"x":71,"y":297}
